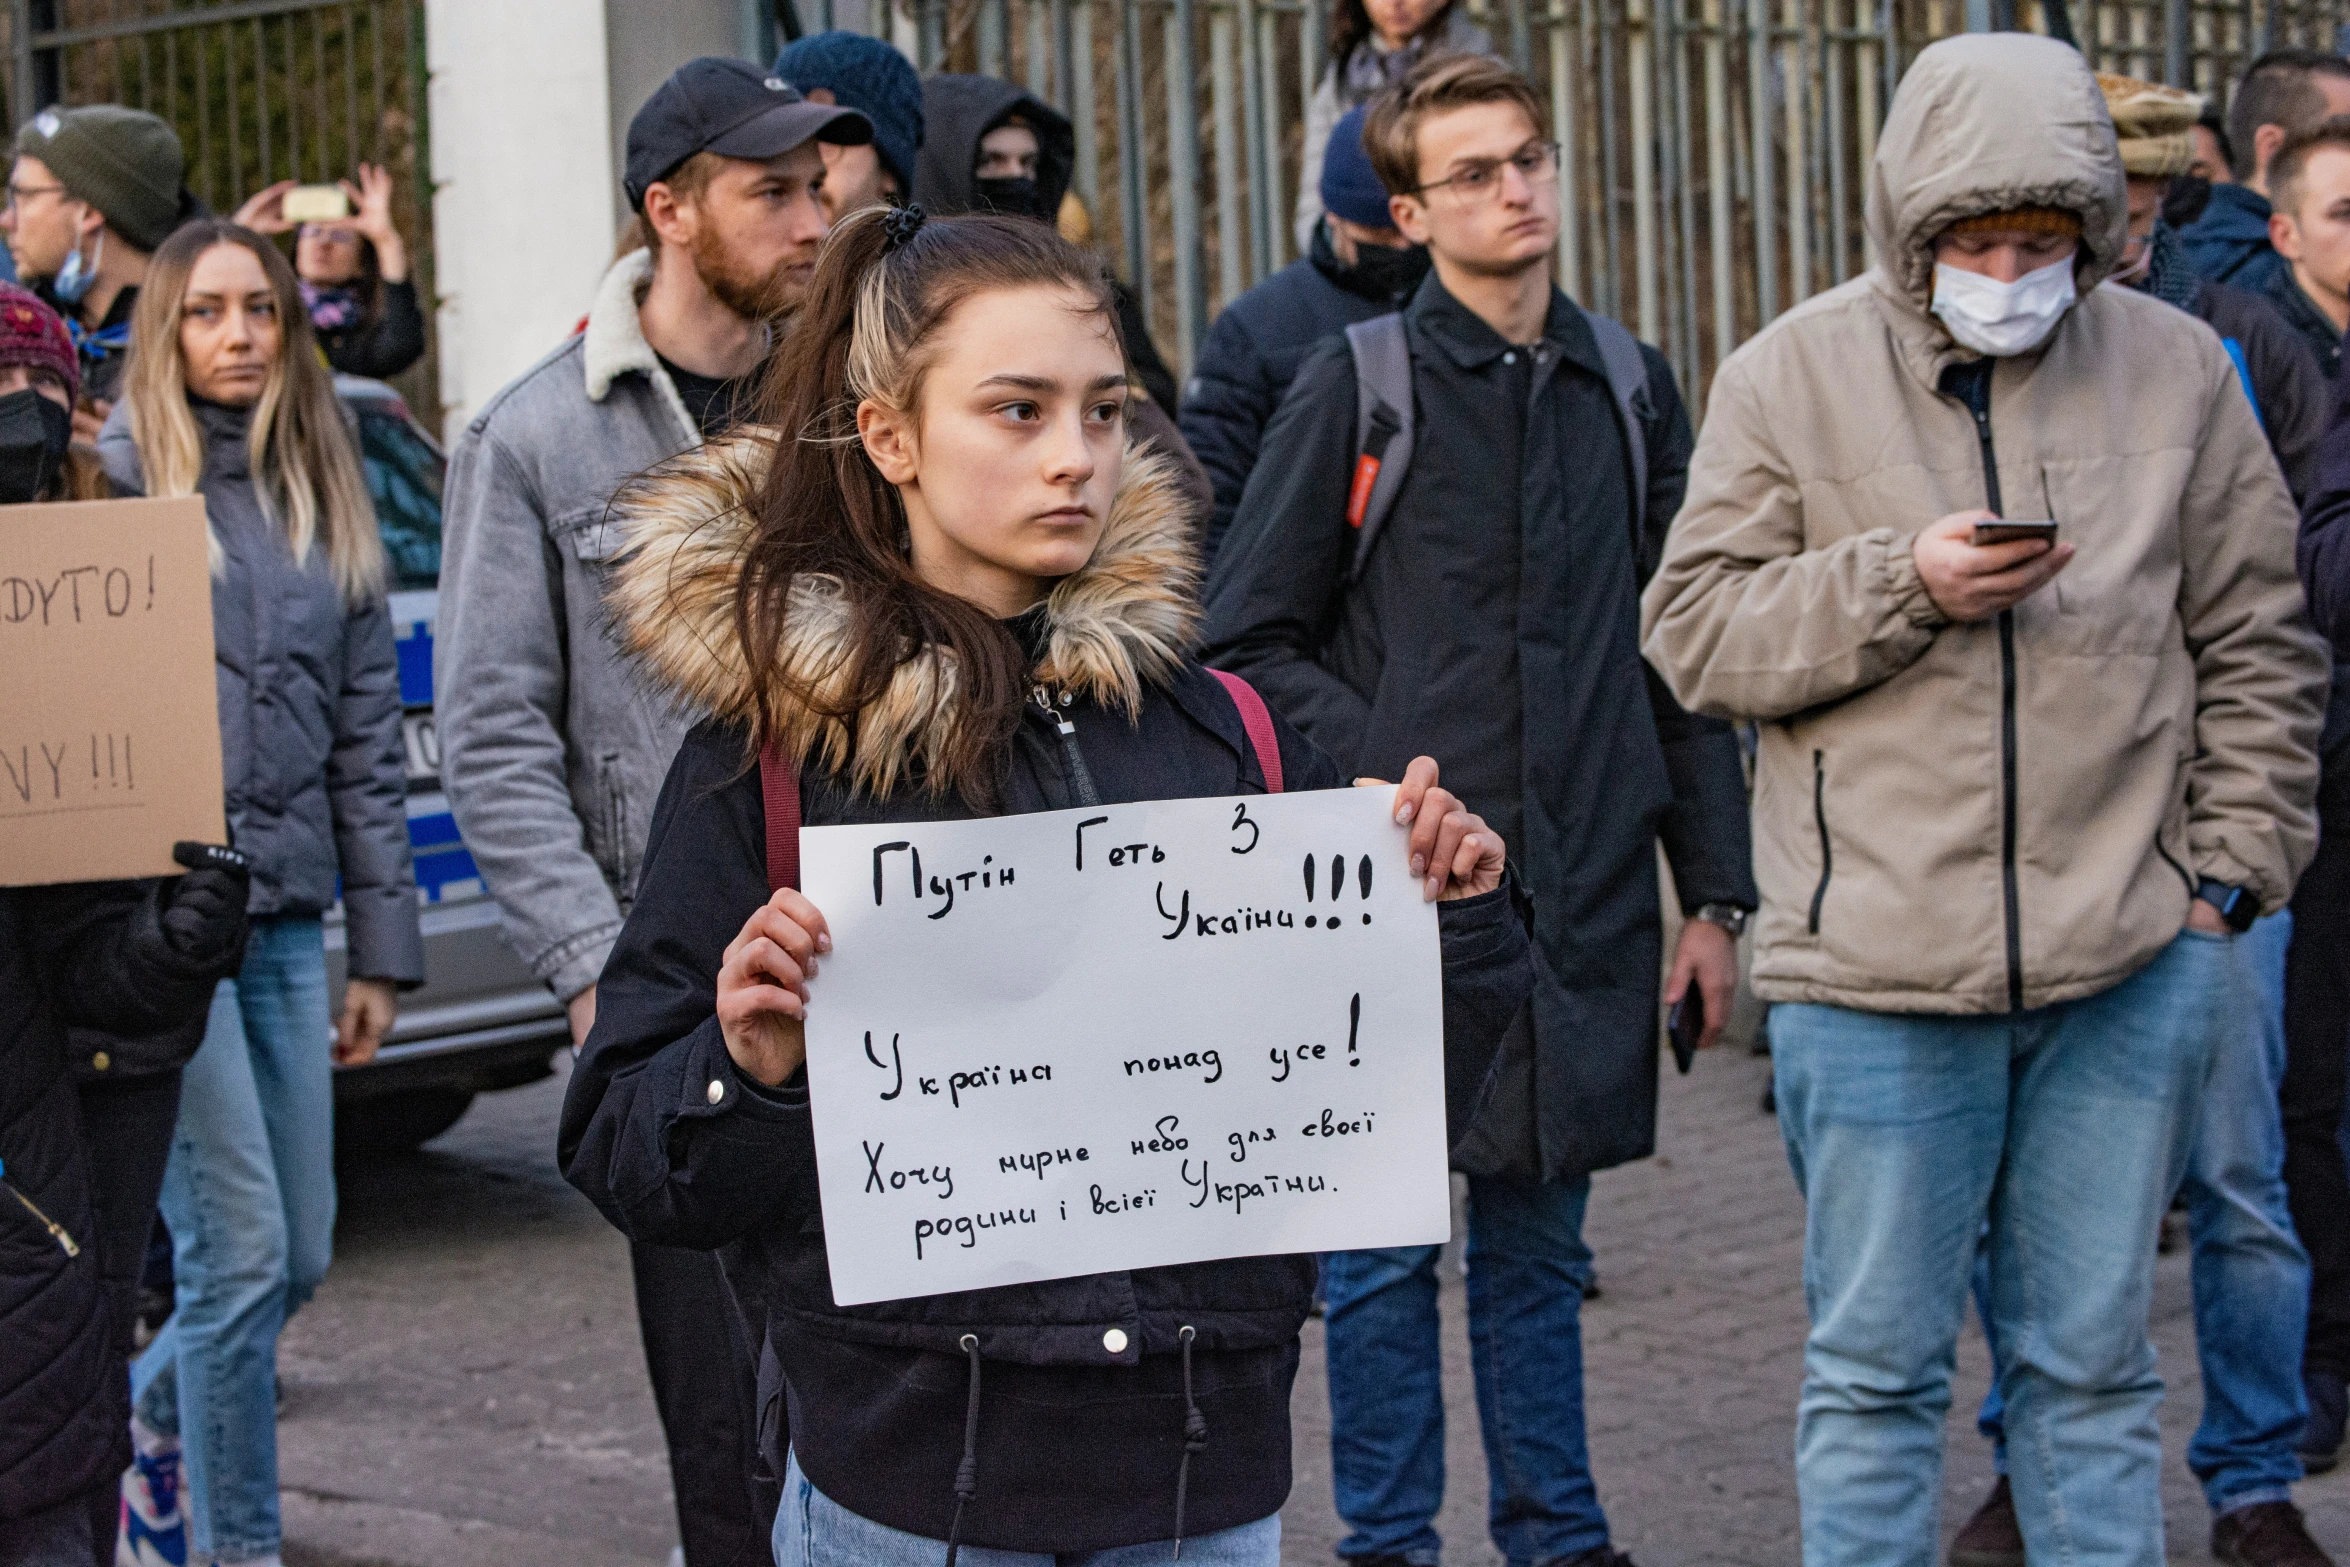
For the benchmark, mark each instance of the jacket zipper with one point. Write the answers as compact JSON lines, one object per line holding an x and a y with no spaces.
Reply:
{"x":56,"y":1230}
{"x":1819,"y":812}
{"x":1978,"y":400}
{"x":1080,"y":777}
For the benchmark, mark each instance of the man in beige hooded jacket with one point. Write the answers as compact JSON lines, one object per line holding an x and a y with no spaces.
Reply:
{"x":2013,"y":800}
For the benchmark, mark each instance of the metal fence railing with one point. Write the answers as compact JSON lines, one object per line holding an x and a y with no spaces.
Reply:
{"x":1715,"y":151}
{"x":259,"y":90}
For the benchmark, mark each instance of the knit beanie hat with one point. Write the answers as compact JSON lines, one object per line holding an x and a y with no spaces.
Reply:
{"x":2155,"y":124}
{"x":124,"y":162}
{"x":33,"y":335}
{"x":871,"y":77}
{"x":1350,"y":189}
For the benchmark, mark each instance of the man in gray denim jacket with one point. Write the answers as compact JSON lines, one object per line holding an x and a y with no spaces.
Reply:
{"x":552,"y":748}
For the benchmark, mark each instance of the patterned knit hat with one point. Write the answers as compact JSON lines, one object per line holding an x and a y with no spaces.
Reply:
{"x":2155,"y":124}
{"x":31,"y":334}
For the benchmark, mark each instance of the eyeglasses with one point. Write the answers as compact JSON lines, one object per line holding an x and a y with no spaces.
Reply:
{"x":17,"y":193}
{"x":1480,"y":180}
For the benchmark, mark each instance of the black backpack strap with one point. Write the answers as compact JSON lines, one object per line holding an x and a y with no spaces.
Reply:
{"x":1627,"y":378}
{"x":1383,"y":427}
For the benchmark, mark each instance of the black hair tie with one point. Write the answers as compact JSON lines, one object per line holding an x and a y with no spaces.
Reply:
{"x":899,"y":226}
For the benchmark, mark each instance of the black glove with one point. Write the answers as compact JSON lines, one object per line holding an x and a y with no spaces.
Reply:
{"x":203,"y":912}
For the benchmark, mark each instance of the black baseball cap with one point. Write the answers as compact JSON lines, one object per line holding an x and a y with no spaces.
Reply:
{"x":731,"y":108}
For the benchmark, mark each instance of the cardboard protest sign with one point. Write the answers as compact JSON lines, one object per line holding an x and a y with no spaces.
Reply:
{"x":109,"y":718}
{"x":1123,"y":1037}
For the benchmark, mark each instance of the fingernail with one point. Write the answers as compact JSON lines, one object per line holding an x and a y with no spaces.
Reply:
{"x":1435,"y":886}
{"x":1403,"y":814}
{"x":1419,"y":865}
{"x":824,"y":941}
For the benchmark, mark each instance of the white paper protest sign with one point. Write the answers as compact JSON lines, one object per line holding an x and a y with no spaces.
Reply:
{"x":1123,"y":1037}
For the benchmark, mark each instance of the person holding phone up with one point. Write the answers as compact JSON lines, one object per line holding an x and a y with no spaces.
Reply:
{"x":2015,"y":801}
{"x":353,"y":265}
{"x":957,"y":592}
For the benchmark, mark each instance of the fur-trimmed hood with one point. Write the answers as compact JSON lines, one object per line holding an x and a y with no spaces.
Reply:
{"x":1121,"y":624}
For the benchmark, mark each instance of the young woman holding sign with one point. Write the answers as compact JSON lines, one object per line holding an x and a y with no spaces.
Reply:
{"x":955,"y":593}
{"x":227,"y":398}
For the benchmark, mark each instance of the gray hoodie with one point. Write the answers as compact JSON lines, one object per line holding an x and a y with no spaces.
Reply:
{"x":552,"y":747}
{"x":309,"y":687}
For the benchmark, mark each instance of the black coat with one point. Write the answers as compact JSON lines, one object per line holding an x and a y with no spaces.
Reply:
{"x":2303,"y":316}
{"x":1250,"y":357}
{"x":89,"y":956}
{"x":1077,"y":1448}
{"x":1495,"y":626}
{"x":2288,"y":381}
{"x":382,"y":344}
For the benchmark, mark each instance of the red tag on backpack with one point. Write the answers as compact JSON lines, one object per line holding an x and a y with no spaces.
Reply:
{"x":1358,"y":497}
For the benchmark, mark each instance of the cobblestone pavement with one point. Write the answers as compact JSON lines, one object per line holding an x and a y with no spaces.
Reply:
{"x":467,"y":1388}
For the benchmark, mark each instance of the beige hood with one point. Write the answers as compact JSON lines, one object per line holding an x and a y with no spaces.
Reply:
{"x":1986,"y":123}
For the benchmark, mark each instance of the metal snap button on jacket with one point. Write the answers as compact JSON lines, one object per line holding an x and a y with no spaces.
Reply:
{"x":1115,"y":1341}
{"x":717,"y":1090}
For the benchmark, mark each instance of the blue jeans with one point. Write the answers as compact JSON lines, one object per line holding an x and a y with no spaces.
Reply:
{"x":2065,"y":1128}
{"x":813,"y":1530}
{"x":250,"y":1198}
{"x":2251,"y":1275}
{"x":1527,"y":1267}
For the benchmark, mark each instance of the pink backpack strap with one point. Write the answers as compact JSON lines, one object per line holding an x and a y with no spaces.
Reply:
{"x":1257,"y":719}
{"x":779,"y":784}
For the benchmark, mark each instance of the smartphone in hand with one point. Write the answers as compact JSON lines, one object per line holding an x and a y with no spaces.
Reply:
{"x":1685,"y":1025}
{"x":2005,"y":532}
{"x":316,"y":204}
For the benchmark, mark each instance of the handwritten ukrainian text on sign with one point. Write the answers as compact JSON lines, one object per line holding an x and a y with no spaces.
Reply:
{"x":109,"y":722}
{"x":1123,"y":1037}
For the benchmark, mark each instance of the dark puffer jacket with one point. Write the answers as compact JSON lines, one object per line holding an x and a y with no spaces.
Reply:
{"x":90,"y":956}
{"x":1081,"y":1430}
{"x":309,"y":713}
{"x":1252,"y":354}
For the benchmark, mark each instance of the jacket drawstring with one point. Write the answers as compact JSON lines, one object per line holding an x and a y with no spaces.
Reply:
{"x":1195,"y":1436}
{"x":967,"y":1472}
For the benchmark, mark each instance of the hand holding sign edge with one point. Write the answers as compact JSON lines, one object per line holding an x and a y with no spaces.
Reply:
{"x":1452,"y":852}
{"x":763,"y":986}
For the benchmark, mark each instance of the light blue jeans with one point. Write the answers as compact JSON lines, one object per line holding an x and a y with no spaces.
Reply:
{"x":250,"y":1198}
{"x":2251,"y":1276}
{"x":2066,"y":1129}
{"x":1527,"y":1266}
{"x":813,"y":1530}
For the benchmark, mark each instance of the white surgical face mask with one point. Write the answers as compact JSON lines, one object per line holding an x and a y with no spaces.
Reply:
{"x":1998,"y":318}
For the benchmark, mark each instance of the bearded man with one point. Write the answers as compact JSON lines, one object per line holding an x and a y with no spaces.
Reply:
{"x":552,"y":752}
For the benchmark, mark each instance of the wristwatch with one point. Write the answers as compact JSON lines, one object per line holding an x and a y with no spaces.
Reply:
{"x":1729,"y":916}
{"x":2238,"y":908}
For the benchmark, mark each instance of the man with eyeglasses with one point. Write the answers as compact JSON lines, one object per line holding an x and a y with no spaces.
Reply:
{"x":92,"y":193}
{"x":1484,"y":608}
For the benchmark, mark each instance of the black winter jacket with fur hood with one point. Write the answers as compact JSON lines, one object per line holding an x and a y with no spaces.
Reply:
{"x":1078,"y":1447}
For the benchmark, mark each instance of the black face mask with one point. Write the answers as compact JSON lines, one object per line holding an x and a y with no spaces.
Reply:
{"x":2184,"y":199}
{"x":33,"y":436}
{"x":1388,"y":274}
{"x":1014,"y":198}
